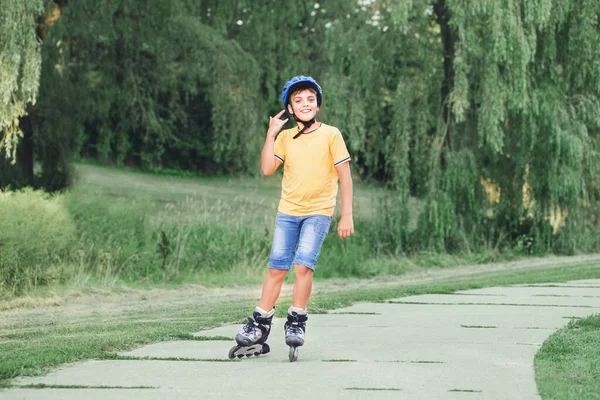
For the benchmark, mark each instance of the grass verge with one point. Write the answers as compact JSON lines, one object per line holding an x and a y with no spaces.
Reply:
{"x":568,"y":364}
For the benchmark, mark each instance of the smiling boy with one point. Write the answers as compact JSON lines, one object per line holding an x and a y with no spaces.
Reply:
{"x":315,"y":157}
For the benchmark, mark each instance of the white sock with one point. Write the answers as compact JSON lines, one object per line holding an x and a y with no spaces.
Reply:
{"x":297,"y":310}
{"x":263,"y":313}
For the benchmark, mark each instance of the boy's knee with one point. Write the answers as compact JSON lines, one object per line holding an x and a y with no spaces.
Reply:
{"x":302,"y":271}
{"x":277,"y":274}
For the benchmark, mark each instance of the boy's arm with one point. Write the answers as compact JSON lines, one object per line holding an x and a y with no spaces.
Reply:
{"x":268,"y":162}
{"x":346,"y":225}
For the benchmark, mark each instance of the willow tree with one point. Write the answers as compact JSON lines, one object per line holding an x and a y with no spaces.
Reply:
{"x":164,"y":89}
{"x":284,"y":41}
{"x":488,"y":111}
{"x":521,"y":111}
{"x":25,"y":27}
{"x":385,"y":97}
{"x":359,"y":51}
{"x":20,"y":64}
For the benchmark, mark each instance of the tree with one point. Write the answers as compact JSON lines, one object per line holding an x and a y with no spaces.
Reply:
{"x":488,"y":111}
{"x":25,"y":27}
{"x":20,"y":64}
{"x":164,"y":89}
{"x":521,"y":108}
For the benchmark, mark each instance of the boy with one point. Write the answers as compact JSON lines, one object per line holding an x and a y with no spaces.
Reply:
{"x":314,"y":156}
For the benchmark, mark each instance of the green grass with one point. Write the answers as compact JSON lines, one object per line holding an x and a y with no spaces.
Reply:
{"x":488,"y":304}
{"x":119,"y":226}
{"x":114,"y":356}
{"x":479,"y":326}
{"x":205,"y":338}
{"x":31,"y":347}
{"x":427,"y":362}
{"x":414,"y":362}
{"x":568,"y":364}
{"x":44,"y":386}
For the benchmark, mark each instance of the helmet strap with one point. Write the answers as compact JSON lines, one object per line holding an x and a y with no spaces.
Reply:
{"x":306,"y":125}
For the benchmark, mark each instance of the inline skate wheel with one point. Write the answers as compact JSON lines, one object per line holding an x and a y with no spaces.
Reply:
{"x":232,"y":352}
{"x":293,"y":354}
{"x":265,"y":348}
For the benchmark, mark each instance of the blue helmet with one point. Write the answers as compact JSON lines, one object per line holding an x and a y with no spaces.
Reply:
{"x":304,"y":81}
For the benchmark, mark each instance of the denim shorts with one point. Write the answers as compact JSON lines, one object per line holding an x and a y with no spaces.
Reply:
{"x":298,"y":240}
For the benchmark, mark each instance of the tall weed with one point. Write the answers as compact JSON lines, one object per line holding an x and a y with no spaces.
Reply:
{"x":112,"y":234}
{"x":36,"y":233}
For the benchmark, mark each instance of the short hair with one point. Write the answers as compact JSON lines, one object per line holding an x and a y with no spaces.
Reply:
{"x":300,"y":87}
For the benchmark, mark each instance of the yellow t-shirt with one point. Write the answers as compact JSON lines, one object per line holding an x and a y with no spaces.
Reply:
{"x":310,"y":180}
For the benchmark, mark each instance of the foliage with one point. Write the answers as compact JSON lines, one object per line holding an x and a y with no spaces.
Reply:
{"x":489,"y":112}
{"x":20,"y":65}
{"x":167,"y":91}
{"x":121,"y":226}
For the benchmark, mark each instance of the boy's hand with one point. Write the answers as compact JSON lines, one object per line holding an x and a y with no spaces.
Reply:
{"x":346,"y":227}
{"x":275,"y":124}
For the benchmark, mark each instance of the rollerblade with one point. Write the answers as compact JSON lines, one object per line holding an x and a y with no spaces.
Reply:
{"x":251,"y":340}
{"x":294,"y":328}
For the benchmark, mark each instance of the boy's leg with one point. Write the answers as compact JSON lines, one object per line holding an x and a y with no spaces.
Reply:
{"x":312,"y":234}
{"x":313,"y":231}
{"x":256,"y":331}
{"x":285,"y":241}
{"x":302,"y":286}
{"x":271,"y":288}
{"x":295,"y":325}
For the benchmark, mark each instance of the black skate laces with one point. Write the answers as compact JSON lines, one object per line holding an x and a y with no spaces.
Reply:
{"x":250,"y":326}
{"x":295,"y":328}
{"x":296,"y":324}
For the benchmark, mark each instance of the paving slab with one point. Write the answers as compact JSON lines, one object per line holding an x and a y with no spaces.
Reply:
{"x":538,"y":291}
{"x":514,"y":300}
{"x":583,"y":284}
{"x":594,"y":282}
{"x":476,"y":344}
{"x":318,"y":379}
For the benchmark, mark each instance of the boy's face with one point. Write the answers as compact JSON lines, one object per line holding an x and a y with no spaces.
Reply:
{"x":304,"y":104}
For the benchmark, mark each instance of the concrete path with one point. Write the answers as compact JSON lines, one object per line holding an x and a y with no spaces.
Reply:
{"x":475,"y":344}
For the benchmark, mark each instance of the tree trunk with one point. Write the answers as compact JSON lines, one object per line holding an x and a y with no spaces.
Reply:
{"x":448,"y":40}
{"x":25,"y":151}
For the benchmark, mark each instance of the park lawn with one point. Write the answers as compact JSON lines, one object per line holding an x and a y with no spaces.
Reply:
{"x":119,"y":226}
{"x":233,"y":201}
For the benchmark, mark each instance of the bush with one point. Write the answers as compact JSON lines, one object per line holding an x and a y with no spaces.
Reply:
{"x":35,"y":235}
